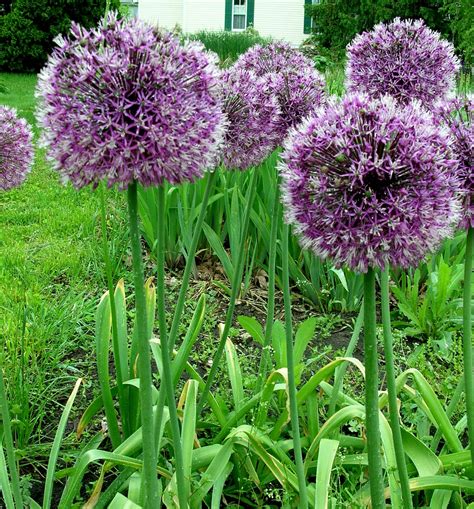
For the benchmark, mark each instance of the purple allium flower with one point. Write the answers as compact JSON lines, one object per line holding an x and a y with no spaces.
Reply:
{"x":16,"y":149}
{"x":127,"y":102}
{"x":252,"y":114}
{"x":299,"y":87}
{"x":368,"y":182}
{"x":458,"y":114}
{"x":405,"y":59}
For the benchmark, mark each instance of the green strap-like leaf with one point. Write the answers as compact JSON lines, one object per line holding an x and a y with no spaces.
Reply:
{"x":327,"y":453}
{"x":235,"y":374}
{"x":53,"y":455}
{"x":122,"y":502}
{"x":425,"y":460}
{"x":4,"y":480}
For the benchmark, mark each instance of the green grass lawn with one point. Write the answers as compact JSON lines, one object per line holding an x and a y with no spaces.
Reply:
{"x":50,"y":280}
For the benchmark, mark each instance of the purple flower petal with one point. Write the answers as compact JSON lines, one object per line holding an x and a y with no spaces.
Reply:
{"x":127,"y":102}
{"x":405,"y":59}
{"x":291,"y":76}
{"x":16,"y":149}
{"x":369,"y":182}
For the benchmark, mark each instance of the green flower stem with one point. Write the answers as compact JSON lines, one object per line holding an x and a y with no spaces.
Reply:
{"x":265,"y":359}
{"x":10,"y":448}
{"x":392,"y":391}
{"x":303,"y":502}
{"x":182,"y":292}
{"x":371,"y":393}
{"x":121,"y":369}
{"x":236,"y":284}
{"x":144,"y":356}
{"x":166,"y":378}
{"x":467,"y":339}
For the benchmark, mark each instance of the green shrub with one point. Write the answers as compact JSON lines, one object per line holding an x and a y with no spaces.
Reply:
{"x":336,"y":22}
{"x":228,"y":45}
{"x":28,"y":30}
{"x":461,"y":15}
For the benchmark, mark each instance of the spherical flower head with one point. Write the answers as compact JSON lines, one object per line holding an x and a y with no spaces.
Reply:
{"x":370,"y":182}
{"x":458,"y":114}
{"x":252,"y":114}
{"x":16,"y":149}
{"x":126,"y":102}
{"x":405,"y":59}
{"x":291,"y":76}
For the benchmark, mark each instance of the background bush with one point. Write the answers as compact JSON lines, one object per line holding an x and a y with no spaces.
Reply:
{"x":28,"y":27}
{"x":228,"y":45}
{"x":336,"y":22}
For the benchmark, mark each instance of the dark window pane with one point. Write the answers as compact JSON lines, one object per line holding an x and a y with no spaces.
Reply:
{"x":239,"y":22}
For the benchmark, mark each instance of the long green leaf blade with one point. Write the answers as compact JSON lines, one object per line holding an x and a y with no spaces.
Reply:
{"x":53,"y":456}
{"x":327,"y":453}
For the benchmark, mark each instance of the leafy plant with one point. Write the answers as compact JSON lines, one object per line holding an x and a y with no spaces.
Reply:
{"x":228,"y":45}
{"x":28,"y":30}
{"x":321,"y":284}
{"x":432,"y":308}
{"x":252,"y":441}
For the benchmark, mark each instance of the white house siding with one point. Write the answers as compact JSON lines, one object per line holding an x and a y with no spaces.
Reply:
{"x":165,"y":13}
{"x":280,"y":19}
{"x":203,"y":15}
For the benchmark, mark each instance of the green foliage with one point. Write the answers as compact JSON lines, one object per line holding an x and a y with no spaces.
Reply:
{"x":431,"y":310}
{"x":228,"y":45}
{"x":51,"y":267}
{"x":242,"y":450}
{"x":319,"y":282}
{"x":336,"y":22}
{"x":239,"y":451}
{"x":461,"y":16}
{"x":28,"y":30}
{"x":429,"y":297}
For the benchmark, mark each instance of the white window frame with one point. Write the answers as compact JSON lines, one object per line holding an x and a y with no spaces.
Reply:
{"x":243,"y":13}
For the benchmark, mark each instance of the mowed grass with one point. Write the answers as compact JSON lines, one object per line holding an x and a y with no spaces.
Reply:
{"x":51,"y":276}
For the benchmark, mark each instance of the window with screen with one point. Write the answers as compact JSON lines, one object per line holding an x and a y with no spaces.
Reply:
{"x":239,"y":15}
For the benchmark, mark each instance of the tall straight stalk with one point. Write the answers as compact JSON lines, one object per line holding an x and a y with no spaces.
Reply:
{"x":167,"y":379}
{"x":467,"y":339}
{"x":144,"y":357}
{"x":9,"y":446}
{"x":236,"y":284}
{"x":303,"y":503}
{"x":392,"y":391}
{"x":121,"y":370}
{"x":371,"y":393}
{"x":178,"y":311}
{"x":265,"y":358}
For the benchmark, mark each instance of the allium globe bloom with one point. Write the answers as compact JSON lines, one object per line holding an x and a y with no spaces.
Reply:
{"x":252,"y":115}
{"x":405,"y":59}
{"x":370,"y":182}
{"x":458,"y":114}
{"x":16,"y":149}
{"x":127,"y":102}
{"x":291,"y":76}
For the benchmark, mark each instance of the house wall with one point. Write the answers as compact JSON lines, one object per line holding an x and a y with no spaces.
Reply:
{"x":203,"y":15}
{"x":165,"y":13}
{"x":280,"y":19}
